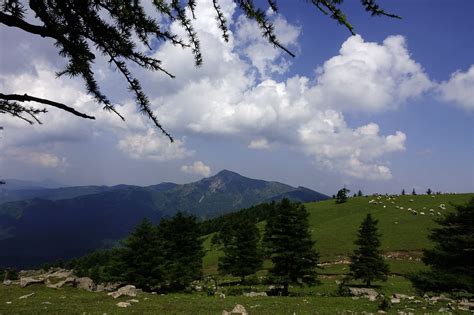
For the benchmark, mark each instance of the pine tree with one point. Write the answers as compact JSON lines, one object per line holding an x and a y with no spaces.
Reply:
{"x":403,"y":192}
{"x":428,"y":192}
{"x":413,"y":192}
{"x":451,"y":260}
{"x":341,"y":196}
{"x":139,"y":261}
{"x":181,"y":247}
{"x":367,"y":262}
{"x":81,"y":30}
{"x":240,"y":246}
{"x":290,"y":246}
{"x":359,"y":193}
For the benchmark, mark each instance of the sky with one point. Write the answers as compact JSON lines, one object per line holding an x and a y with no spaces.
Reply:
{"x":390,"y":108}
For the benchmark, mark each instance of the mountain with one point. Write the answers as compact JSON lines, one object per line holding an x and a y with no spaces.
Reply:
{"x":43,"y":225}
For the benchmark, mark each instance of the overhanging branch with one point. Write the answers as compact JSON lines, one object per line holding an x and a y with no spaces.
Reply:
{"x":28,"y":98}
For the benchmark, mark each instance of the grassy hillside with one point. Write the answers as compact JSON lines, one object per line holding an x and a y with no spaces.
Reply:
{"x":404,"y":234}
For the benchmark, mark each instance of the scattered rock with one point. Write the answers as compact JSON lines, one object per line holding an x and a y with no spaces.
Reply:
{"x":60,"y":284}
{"x":7,"y":282}
{"x":8,"y":302}
{"x":254,"y":294}
{"x":48,"y":303}
{"x":237,"y":310}
{"x":222,"y":296}
{"x":403,"y":296}
{"x":123,"y":304}
{"x":85,"y":283}
{"x":133,"y":301}
{"x":128,"y":290}
{"x":26,"y":296}
{"x":381,"y":312}
{"x":363,"y":292}
{"x":394,"y":300}
{"x":25,"y":281}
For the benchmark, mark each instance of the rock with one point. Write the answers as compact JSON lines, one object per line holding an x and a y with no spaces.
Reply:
{"x":85,"y":283}
{"x":123,"y":304}
{"x":25,"y":281}
{"x":381,"y":312}
{"x":128,"y":290}
{"x":222,"y":296}
{"x":394,"y":300}
{"x":26,"y":296}
{"x":372,"y":298}
{"x":254,"y":294}
{"x":48,"y":303}
{"x":60,"y":284}
{"x":363,"y":292}
{"x":60,"y":274}
{"x":8,"y":302}
{"x":108,"y":287}
{"x":133,"y":301}
{"x":237,"y":310}
{"x":403,"y":296}
{"x":7,"y":282}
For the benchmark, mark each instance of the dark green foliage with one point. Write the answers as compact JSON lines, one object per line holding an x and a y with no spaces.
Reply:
{"x":429,"y":192}
{"x":367,"y":262}
{"x":116,"y":29}
{"x":8,"y":274}
{"x":403,"y":192}
{"x":451,"y":261}
{"x":359,"y":193}
{"x":341,"y":196}
{"x":413,"y":192}
{"x":96,"y":265}
{"x":140,"y":260}
{"x":181,"y":249}
{"x":256,"y":213}
{"x":290,"y":247}
{"x":241,"y":253}
{"x":385,"y":305}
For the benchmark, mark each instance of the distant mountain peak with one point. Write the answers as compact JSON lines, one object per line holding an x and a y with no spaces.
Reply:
{"x":227,"y":173}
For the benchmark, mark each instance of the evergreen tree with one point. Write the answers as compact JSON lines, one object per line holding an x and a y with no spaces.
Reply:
{"x":413,"y":192}
{"x":240,"y":246}
{"x":359,"y":193}
{"x":428,"y":192}
{"x":341,"y":196}
{"x":403,"y":192}
{"x":451,"y":260}
{"x":288,"y":242}
{"x":181,"y":247}
{"x":139,"y":261}
{"x":118,"y":30}
{"x":367,"y":262}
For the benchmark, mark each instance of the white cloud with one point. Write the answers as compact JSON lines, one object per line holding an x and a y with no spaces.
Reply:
{"x":266,"y":58}
{"x":353,"y":152}
{"x":259,"y":144}
{"x":459,"y":89}
{"x":153,"y":146}
{"x":198,"y":168}
{"x":367,"y":76}
{"x":42,"y":159}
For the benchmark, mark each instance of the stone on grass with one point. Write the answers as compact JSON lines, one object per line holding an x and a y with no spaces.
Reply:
{"x":255,"y":294}
{"x":237,"y":310}
{"x":123,"y":304}
{"x":85,"y":283}
{"x":26,"y":296}
{"x":128,"y":290}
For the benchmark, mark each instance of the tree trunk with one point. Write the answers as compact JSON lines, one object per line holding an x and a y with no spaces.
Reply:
{"x":285,"y":289}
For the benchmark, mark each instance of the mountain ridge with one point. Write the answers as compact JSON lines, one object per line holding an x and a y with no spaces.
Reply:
{"x":70,"y":221}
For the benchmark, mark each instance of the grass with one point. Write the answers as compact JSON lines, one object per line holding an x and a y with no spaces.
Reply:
{"x":334,"y":228}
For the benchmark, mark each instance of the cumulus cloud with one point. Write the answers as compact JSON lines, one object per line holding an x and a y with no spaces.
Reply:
{"x":459,"y":89}
{"x":41,"y":159}
{"x":233,"y":95}
{"x":152,"y":146}
{"x":259,"y":144}
{"x":372,"y":77}
{"x":198,"y":168}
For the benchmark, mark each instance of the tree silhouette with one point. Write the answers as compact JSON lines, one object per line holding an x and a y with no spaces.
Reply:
{"x":290,"y":246}
{"x":367,"y":262}
{"x":451,"y":259}
{"x":82,"y":29}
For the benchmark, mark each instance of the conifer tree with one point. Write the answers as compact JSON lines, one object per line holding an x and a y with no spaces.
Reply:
{"x":403,"y":192}
{"x":241,"y":253}
{"x":140,"y":262}
{"x":288,"y":242}
{"x":341,"y":196}
{"x":451,"y":260}
{"x":413,"y":192}
{"x":367,"y":262}
{"x":181,"y":247}
{"x":359,"y":193}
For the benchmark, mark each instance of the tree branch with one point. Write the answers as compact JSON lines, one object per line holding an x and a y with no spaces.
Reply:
{"x":28,"y":98}
{"x":12,"y":21}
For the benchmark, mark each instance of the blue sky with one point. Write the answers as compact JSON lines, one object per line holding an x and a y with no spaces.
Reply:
{"x":390,"y":108}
